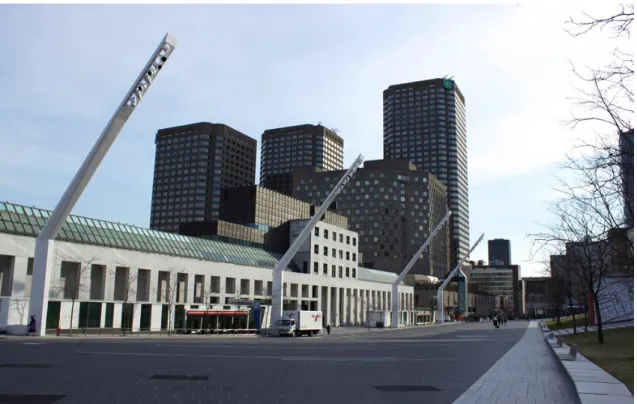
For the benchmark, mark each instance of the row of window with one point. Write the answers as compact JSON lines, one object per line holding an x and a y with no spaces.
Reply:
{"x":348,"y":271}
{"x":326,"y":235}
{"x":340,"y":253}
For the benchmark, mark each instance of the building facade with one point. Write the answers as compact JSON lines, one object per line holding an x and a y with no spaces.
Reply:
{"x":285,"y":149}
{"x":107,"y":276}
{"x":329,"y":250}
{"x":499,"y":252}
{"x":192,"y":164}
{"x":502,"y":282}
{"x":392,"y":206}
{"x":538,"y":296}
{"x":425,"y":122}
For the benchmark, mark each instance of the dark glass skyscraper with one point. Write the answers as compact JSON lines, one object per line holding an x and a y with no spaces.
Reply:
{"x":425,"y":122}
{"x":627,"y":152}
{"x":499,"y":252}
{"x":285,"y":149}
{"x":192,"y":164}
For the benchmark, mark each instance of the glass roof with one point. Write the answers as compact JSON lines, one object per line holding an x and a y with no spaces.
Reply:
{"x":28,"y":221}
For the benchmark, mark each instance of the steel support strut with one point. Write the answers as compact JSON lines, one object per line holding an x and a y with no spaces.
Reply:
{"x":451,"y":275}
{"x":43,"y":262}
{"x":277,"y":274}
{"x":394,"y":290}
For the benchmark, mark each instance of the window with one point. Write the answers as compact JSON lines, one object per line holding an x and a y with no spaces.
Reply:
{"x":353,"y":272}
{"x":324,"y":269}
{"x":347,"y":240}
{"x":333,"y":271}
{"x":334,"y":252}
{"x":316,"y":231}
{"x":316,"y":249}
{"x":334,"y":235}
{"x":347,"y":272}
{"x":340,"y":238}
{"x":340,"y":271}
{"x":353,"y":257}
{"x":326,"y":234}
{"x":325,"y":251}
{"x":354,"y":241}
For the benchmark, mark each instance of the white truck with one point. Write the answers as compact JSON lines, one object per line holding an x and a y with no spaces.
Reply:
{"x":300,"y":322}
{"x":378,"y":319}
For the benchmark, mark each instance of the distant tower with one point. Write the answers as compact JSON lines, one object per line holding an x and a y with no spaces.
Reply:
{"x":283,"y":150}
{"x":499,"y":252}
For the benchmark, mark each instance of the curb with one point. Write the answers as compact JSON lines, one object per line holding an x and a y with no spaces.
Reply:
{"x":592,"y":383}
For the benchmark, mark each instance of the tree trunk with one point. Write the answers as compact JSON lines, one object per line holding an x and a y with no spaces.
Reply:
{"x":598,"y":312}
{"x":71,"y":322}
{"x":570,"y":302}
{"x":586,"y":318}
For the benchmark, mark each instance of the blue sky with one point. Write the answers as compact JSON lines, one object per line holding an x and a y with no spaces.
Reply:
{"x":66,"y":68}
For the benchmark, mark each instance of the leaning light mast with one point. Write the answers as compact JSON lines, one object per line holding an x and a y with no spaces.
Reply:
{"x":277,"y":274}
{"x":43,"y":262}
{"x":394,"y":289}
{"x":452,"y":274}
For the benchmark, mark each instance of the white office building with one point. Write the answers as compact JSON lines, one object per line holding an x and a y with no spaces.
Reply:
{"x":109,"y":276}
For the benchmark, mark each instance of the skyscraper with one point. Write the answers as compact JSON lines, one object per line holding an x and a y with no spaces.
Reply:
{"x":499,"y":252}
{"x":192,"y":164}
{"x":285,"y":149}
{"x":425,"y":122}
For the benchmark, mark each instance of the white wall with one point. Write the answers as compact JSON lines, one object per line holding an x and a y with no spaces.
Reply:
{"x":23,"y":247}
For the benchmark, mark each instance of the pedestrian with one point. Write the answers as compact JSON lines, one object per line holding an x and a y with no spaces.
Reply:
{"x":31,"y":326}
{"x":505,"y":321}
{"x":328,"y":328}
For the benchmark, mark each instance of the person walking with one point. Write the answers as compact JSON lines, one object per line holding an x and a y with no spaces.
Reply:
{"x":31,"y":327}
{"x":328,"y":328}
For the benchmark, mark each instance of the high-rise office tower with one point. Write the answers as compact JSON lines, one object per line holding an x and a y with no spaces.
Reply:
{"x":192,"y":164}
{"x":285,"y":149}
{"x":499,"y":252}
{"x":425,"y":122}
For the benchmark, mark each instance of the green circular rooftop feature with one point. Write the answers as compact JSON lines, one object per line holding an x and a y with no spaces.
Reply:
{"x":447,"y":83}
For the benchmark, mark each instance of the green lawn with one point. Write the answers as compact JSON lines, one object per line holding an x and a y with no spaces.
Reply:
{"x":615,"y":356}
{"x":565,"y":322}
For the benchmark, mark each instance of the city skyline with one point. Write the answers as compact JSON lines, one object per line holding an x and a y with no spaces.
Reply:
{"x":41,"y":116}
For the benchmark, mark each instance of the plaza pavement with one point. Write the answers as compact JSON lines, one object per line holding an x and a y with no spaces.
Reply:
{"x":432,"y":365}
{"x":528,"y":374}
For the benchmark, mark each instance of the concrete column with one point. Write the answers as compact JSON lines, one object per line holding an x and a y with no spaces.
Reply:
{"x":328,"y":305}
{"x":109,"y":283}
{"x":21,"y":283}
{"x":40,"y":290}
{"x":154,"y":287}
{"x":190,"y":288}
{"x":337,"y":307}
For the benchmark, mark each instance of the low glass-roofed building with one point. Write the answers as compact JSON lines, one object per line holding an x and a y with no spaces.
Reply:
{"x":109,"y":276}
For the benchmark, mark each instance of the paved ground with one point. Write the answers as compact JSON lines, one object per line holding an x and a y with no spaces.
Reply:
{"x":425,"y":365}
{"x":528,"y":374}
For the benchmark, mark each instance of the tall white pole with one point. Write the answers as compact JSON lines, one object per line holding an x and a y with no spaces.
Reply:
{"x":394,"y":289}
{"x":452,"y":274}
{"x":43,"y":262}
{"x":277,"y":274}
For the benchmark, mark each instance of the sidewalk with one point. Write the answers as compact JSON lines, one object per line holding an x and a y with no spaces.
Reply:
{"x":352,"y":330}
{"x":528,"y":374}
{"x":593,"y":328}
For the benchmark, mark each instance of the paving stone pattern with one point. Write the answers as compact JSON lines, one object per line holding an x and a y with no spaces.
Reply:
{"x":528,"y":374}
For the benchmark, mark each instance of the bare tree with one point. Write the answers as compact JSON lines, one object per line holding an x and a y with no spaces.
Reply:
{"x":20,"y":307}
{"x":170,"y":294}
{"x":72,"y":281}
{"x":582,"y":236}
{"x":127,"y":290}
